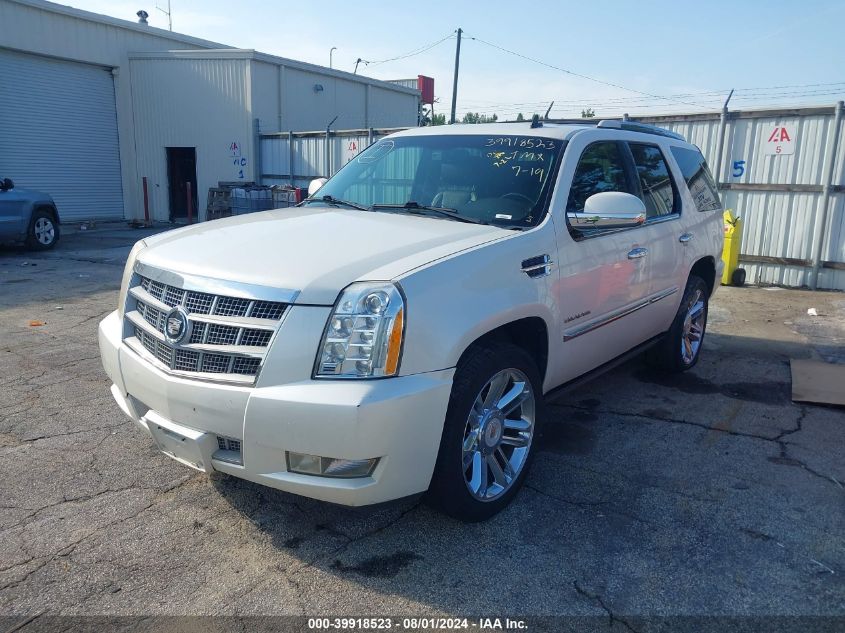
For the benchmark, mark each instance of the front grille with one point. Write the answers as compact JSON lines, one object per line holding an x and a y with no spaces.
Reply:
{"x":198,"y":332}
{"x":267,"y":310}
{"x":173,"y":296}
{"x":245,"y":366}
{"x":255,"y":338}
{"x":222,"y":334}
{"x":151,"y":315}
{"x":186,"y":360}
{"x":199,"y":302}
{"x":215,"y":363}
{"x":231,"y":306}
{"x":246,"y":336}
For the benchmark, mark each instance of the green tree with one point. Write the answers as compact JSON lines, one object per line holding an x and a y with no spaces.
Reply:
{"x":519,"y":117}
{"x":475,"y":117}
{"x":439,"y":119}
{"x":589,"y":113}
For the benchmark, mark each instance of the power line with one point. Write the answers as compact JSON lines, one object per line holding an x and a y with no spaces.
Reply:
{"x":674,"y":95}
{"x":574,"y":74}
{"x":416,"y":51}
{"x":838,"y":83}
{"x":716,"y":100}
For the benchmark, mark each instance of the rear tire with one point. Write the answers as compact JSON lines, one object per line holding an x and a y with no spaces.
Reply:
{"x":43,"y":231}
{"x":681,"y":345}
{"x":490,"y":433}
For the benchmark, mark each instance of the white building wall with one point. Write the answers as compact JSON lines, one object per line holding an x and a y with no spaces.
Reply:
{"x":391,"y":108}
{"x":305,"y":107}
{"x":210,"y":99}
{"x":266,"y":96}
{"x":54,"y":30}
{"x":184,"y":102}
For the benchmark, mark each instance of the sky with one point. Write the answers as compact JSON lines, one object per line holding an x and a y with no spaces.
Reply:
{"x":643,"y":57}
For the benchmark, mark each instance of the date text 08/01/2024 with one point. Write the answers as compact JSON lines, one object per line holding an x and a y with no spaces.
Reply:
{"x":416,"y":624}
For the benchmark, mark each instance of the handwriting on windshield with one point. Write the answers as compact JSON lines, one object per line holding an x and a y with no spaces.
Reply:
{"x":537,"y":172}
{"x":501,"y":158}
{"x":520,"y":141}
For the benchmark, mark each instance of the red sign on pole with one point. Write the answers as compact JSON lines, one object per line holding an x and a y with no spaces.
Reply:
{"x":426,"y":87}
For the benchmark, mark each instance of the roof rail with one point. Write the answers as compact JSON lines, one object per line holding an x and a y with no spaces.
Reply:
{"x":631,"y":126}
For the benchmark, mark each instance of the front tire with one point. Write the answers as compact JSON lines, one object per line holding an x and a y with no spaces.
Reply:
{"x":490,"y":432}
{"x":681,"y":346}
{"x":43,"y":231}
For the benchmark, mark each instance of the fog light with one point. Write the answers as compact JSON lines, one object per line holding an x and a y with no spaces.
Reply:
{"x":330,"y":466}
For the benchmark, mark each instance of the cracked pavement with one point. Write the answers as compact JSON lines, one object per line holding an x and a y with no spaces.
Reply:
{"x":707,"y":493}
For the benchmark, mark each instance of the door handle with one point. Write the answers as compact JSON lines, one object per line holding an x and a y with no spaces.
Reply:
{"x":637,"y":253}
{"x":686,"y":237}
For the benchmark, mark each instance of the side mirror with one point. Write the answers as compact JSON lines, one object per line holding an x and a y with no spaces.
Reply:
{"x":315,"y":185}
{"x":609,"y":210}
{"x":7,"y":184}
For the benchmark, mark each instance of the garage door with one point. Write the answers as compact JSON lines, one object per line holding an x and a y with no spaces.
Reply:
{"x":58,"y":134}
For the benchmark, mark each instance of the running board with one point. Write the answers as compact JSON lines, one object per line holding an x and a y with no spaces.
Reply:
{"x":566,"y":387}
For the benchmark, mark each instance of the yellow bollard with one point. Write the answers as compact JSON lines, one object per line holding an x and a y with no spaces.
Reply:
{"x":732,"y":275}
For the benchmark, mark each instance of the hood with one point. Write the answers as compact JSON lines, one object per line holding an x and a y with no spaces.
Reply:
{"x":318,"y":251}
{"x":29,"y":194}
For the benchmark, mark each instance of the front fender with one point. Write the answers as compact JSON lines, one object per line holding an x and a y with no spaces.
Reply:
{"x":46,"y":205}
{"x":453,"y":302}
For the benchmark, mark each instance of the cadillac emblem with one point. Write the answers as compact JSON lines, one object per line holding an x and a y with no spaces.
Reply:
{"x":177,"y":327}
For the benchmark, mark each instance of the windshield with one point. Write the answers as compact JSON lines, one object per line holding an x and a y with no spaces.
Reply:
{"x":501,"y":180}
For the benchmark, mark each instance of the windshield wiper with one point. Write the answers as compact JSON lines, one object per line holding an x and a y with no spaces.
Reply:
{"x":415,"y":207}
{"x":337,"y":202}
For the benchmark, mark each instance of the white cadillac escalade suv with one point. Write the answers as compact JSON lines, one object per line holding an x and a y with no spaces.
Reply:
{"x":396,"y":333}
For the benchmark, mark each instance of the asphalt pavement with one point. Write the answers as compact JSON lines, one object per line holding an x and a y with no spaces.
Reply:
{"x":708,"y":493}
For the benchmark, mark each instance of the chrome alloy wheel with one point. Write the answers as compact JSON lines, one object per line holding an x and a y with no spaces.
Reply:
{"x":45,"y":232}
{"x":498,"y":434}
{"x":693,"y":330}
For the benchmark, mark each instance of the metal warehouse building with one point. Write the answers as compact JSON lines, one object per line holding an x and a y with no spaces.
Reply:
{"x":90,"y":105}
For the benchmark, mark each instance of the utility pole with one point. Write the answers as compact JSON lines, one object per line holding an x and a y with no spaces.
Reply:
{"x":455,"y":82}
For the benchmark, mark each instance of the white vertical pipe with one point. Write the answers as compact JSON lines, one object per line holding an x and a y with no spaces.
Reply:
{"x":720,"y":146}
{"x":821,"y":223}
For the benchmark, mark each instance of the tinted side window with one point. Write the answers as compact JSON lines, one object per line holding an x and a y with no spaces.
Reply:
{"x":658,"y":190}
{"x":600,"y":168}
{"x":699,"y":180}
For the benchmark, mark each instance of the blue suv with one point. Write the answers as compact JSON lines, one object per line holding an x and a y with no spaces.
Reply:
{"x":27,"y":216}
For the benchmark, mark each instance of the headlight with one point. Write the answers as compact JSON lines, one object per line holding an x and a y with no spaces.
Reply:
{"x":127,"y":274}
{"x":363,"y":338}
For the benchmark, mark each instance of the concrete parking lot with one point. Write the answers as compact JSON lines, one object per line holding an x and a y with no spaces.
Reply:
{"x":706,"y":493}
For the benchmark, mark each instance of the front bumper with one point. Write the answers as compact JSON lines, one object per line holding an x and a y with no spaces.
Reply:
{"x":399,"y":420}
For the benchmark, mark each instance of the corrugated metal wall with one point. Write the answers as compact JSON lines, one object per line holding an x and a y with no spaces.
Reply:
{"x":201,"y":103}
{"x":779,"y":197}
{"x":778,"y":224}
{"x":59,"y":134}
{"x":282,"y":94}
{"x":309,"y":154}
{"x":54,"y":30}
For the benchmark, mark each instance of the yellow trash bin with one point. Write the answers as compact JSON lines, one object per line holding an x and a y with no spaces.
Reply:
{"x":732,"y":275}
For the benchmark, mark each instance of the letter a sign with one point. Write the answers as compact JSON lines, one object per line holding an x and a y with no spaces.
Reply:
{"x":779,"y":140}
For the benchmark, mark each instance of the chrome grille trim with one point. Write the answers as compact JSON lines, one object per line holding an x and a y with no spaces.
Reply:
{"x":226,"y":342}
{"x":216,"y":286}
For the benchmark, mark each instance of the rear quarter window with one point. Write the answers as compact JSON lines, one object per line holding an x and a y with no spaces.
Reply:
{"x":656,"y":184}
{"x":698,"y":178}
